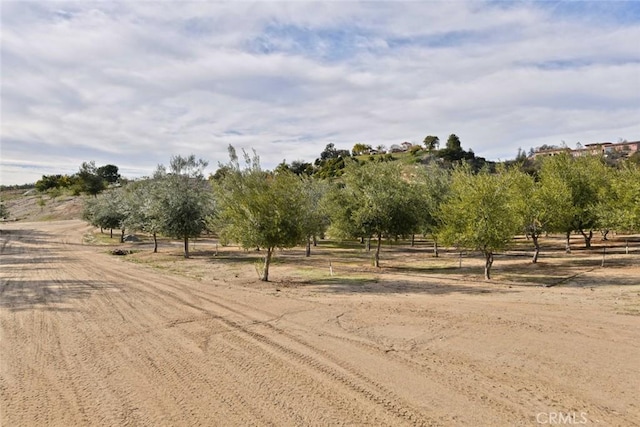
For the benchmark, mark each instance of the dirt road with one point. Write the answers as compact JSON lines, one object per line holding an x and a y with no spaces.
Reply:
{"x":89,"y":339}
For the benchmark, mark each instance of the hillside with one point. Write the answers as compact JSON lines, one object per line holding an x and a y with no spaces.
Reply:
{"x":29,"y":205}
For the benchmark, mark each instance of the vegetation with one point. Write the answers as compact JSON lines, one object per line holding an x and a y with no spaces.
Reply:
{"x":447,"y":196}
{"x":375,"y":201}
{"x":259,"y":209}
{"x":480,"y":213}
{"x":184,"y":199}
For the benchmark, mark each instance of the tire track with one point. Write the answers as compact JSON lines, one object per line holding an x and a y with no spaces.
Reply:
{"x":340,"y":372}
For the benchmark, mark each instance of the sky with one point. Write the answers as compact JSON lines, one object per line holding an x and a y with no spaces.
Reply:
{"x":133,"y":83}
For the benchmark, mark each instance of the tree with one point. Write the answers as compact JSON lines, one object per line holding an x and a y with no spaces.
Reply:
{"x":107,"y":211}
{"x":258,"y":209}
{"x":584,"y":177}
{"x":185,"y":198}
{"x":479,"y":213}
{"x":144,"y":207}
{"x":375,"y":201}
{"x":453,"y":143}
{"x":431,"y":142}
{"x":331,"y":163}
{"x":541,"y":207}
{"x":89,"y":181}
{"x":314,"y":218}
{"x":360,"y":149}
{"x":109,"y":173}
{"x":619,"y":208}
{"x":433,"y":186}
{"x":300,"y":167}
{"x":453,"y":151}
{"x":50,"y":182}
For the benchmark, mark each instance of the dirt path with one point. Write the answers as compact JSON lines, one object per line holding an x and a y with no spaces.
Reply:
{"x":88,"y":339}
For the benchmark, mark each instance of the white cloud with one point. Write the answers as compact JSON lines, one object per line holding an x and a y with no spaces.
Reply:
{"x":132,"y":83}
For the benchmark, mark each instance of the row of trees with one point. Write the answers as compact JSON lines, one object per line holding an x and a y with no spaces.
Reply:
{"x":460,"y":208}
{"x":90,"y":179}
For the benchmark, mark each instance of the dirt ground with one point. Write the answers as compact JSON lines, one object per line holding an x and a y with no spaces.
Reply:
{"x":88,"y":338}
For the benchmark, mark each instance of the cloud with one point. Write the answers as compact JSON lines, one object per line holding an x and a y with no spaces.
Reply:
{"x":132,"y":83}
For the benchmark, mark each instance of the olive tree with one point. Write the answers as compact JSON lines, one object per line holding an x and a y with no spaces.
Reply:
{"x":375,"y":200}
{"x":144,"y":207}
{"x":432,"y":186}
{"x":541,"y":207}
{"x":185,"y":199}
{"x":619,"y":208}
{"x":259,"y":209}
{"x":479,"y":213}
{"x":314,"y":217}
{"x":582,"y":180}
{"x":107,"y":211}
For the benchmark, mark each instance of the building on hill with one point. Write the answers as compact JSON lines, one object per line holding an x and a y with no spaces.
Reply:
{"x":623,"y":149}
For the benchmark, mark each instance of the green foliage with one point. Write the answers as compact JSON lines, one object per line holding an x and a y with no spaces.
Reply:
{"x":359,"y":149}
{"x":453,"y":143}
{"x":479,"y":213}
{"x":4,"y":211}
{"x":107,"y":211}
{"x":109,"y":173}
{"x":332,"y":162}
{"x":619,"y":207}
{"x":314,"y":217}
{"x":433,"y":185}
{"x":144,"y":207}
{"x":586,"y":181}
{"x":185,"y":199}
{"x":50,"y":182}
{"x":89,"y":181}
{"x":431,"y":142}
{"x":258,"y":209}
{"x":453,"y":154}
{"x":376,"y":200}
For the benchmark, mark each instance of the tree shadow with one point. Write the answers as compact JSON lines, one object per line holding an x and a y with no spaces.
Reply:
{"x":19,"y":295}
{"x":344,"y":286}
{"x":29,"y":236}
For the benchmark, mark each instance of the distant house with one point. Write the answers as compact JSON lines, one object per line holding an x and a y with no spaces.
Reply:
{"x":624,"y":148}
{"x":406,"y":146}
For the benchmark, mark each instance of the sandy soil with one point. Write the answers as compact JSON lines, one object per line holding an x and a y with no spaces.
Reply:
{"x":91,"y":339}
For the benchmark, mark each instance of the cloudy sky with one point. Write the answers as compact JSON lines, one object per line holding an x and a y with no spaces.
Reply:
{"x":133,"y":83}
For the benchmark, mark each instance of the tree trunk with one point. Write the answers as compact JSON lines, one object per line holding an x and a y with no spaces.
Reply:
{"x":315,"y":241}
{"x":369,"y":244}
{"x":567,"y":246}
{"x":435,"y":248}
{"x":155,"y":243}
{"x":536,"y":246}
{"x":587,"y":238}
{"x":122,"y":236}
{"x":376,"y":258}
{"x":413,"y":240}
{"x":308,"y":250}
{"x":186,"y":247}
{"x":101,"y":230}
{"x":111,"y":233}
{"x":267,"y":262}
{"x":604,"y":234}
{"x":487,"y":265}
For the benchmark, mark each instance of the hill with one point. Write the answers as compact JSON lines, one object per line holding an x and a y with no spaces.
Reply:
{"x":30,"y":205}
